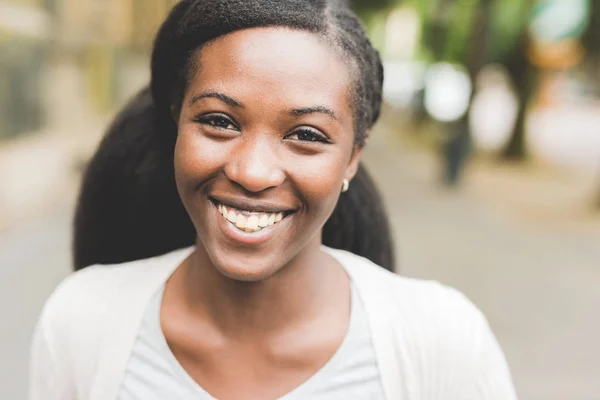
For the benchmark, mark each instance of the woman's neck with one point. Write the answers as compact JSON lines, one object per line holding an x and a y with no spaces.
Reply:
{"x":308,"y":285}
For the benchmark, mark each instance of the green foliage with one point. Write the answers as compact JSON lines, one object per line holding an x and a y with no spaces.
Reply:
{"x":459,"y":32}
{"x":424,"y":7}
{"x":375,"y":25}
{"x":447,"y":26}
{"x":367,"y":6}
{"x":455,"y":19}
{"x":591,"y":38}
{"x":510,"y":17}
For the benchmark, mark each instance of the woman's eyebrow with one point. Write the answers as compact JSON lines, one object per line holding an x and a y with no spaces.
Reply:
{"x":219,"y":96}
{"x":298,"y":112}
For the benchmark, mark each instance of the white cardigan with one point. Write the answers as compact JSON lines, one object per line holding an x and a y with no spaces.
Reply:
{"x":431,"y":343}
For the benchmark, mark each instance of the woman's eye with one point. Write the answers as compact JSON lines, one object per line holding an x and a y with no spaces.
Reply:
{"x":217,"y":121}
{"x":305,"y":135}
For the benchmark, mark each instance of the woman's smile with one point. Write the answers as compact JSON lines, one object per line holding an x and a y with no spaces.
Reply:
{"x":250,"y":222}
{"x":247,"y":229}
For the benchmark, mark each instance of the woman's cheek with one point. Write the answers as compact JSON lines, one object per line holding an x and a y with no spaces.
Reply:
{"x":320,"y":175}
{"x":196,"y":157}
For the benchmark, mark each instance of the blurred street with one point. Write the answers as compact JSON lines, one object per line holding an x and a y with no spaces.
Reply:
{"x":538,"y":284}
{"x":33,"y":260}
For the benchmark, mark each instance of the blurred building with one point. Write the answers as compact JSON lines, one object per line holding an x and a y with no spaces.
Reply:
{"x":65,"y":66}
{"x":61,"y":59}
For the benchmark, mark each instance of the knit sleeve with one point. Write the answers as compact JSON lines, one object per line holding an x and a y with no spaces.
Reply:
{"x":45,"y":380}
{"x":61,"y":350}
{"x":459,"y":357}
{"x":491,"y":378}
{"x":482,"y":372}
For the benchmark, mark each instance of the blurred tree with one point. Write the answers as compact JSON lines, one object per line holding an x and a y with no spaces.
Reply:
{"x":373,"y":14}
{"x":546,"y":45}
{"x":591,"y":42}
{"x":524,"y":77}
{"x":477,"y":32}
{"x":457,"y":31}
{"x":476,"y":54}
{"x":508,"y":21}
{"x":363,"y":7}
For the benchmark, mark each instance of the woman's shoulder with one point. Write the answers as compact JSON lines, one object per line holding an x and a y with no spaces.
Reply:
{"x":102,"y":279}
{"x":87,"y":295}
{"x":86,"y":308}
{"x":439,"y":329}
{"x":436,"y":330}
{"x":428,"y":301}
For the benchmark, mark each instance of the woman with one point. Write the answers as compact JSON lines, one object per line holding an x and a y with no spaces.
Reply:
{"x":265,"y":107}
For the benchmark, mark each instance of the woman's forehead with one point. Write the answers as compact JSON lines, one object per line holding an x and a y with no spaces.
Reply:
{"x":276,"y":62}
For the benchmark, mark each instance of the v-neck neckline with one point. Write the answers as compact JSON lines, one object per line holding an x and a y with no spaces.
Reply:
{"x":132,"y":302}
{"x":328,"y":368}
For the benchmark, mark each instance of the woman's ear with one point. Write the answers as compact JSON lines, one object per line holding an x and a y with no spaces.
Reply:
{"x":352,"y":167}
{"x":367,"y":137}
{"x":355,"y":158}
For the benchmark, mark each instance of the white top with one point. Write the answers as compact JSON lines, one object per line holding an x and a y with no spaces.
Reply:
{"x":153,"y":372}
{"x":430,"y":342}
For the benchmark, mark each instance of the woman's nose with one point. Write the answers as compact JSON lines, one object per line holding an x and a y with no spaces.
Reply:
{"x":255,"y":165}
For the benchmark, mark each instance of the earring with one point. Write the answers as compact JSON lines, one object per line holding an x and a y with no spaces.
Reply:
{"x":345,"y":185}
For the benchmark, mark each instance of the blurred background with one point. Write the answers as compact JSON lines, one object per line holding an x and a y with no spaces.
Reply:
{"x":487,"y":154}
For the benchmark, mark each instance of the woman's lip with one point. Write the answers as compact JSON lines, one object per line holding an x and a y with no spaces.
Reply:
{"x":251,"y":206}
{"x":249,"y":238}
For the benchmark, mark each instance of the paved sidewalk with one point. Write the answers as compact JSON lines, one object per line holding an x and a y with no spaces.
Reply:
{"x":40,"y":170}
{"x":540,"y":288}
{"x":33,"y":260}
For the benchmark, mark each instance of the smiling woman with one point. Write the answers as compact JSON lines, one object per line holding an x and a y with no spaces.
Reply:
{"x":249,"y":139}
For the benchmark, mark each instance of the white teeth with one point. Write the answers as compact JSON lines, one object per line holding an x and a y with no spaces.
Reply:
{"x":249,"y":223}
{"x":252,"y":223}
{"x":263,"y":222}
{"x":241,"y":222}
{"x":231,"y":217}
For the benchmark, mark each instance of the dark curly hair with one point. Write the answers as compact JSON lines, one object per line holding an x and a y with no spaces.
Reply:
{"x":128,"y":206}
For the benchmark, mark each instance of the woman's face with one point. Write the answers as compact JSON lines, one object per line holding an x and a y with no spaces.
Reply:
{"x":265,"y":141}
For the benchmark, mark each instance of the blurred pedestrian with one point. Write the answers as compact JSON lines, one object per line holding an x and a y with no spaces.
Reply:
{"x":264,"y":107}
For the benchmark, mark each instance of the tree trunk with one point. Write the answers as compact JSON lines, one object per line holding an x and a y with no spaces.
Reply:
{"x":591,"y":42}
{"x":524,"y":76}
{"x":478,"y":52}
{"x":458,"y":147}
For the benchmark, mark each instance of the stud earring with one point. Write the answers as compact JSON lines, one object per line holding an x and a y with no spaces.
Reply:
{"x":345,"y":185}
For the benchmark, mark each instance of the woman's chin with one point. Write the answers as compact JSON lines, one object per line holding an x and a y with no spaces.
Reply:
{"x":245,"y":267}
{"x":246,"y":272}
